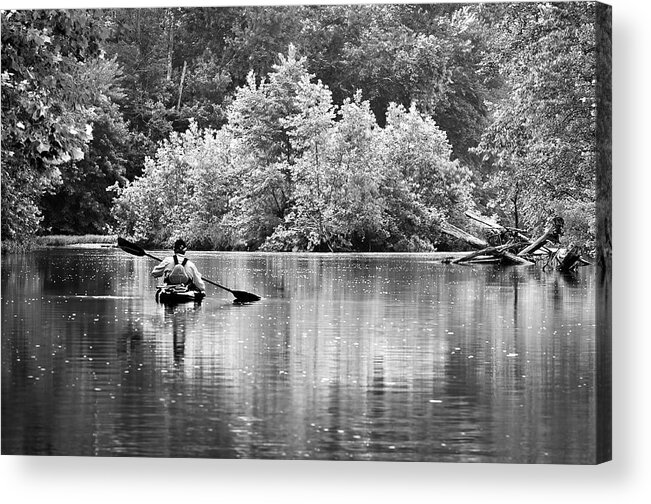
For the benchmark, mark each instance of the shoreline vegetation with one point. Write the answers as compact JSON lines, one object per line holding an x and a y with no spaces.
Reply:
{"x":36,"y":242}
{"x":67,"y":240}
{"x":363,"y":128}
{"x":110,"y":241}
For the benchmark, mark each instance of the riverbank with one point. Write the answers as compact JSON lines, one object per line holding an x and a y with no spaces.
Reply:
{"x":57,"y":241}
{"x":64,"y":240}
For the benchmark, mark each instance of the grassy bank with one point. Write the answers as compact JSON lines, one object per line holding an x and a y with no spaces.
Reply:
{"x":66,"y":240}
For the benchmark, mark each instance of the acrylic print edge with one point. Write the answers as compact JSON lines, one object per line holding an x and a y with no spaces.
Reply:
{"x":603,"y":308}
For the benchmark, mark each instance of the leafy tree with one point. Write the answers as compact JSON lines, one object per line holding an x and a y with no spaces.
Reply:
{"x":257,"y":35}
{"x":337,"y":178}
{"x":462,"y":111}
{"x":370,"y":47}
{"x":184,"y":191}
{"x":47,"y":97}
{"x":137,"y":39}
{"x":207,"y":93}
{"x":292,"y":171}
{"x":258,"y":117}
{"x":258,"y":110}
{"x":425,"y":186}
{"x":82,"y":203}
{"x":542,"y":136}
{"x":198,"y":41}
{"x":154,"y":46}
{"x":361,"y":187}
{"x":431,"y":55}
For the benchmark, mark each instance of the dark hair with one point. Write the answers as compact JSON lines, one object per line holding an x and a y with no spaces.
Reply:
{"x":180,"y":246}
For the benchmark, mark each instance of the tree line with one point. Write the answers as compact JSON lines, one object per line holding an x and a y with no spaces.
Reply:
{"x":359,"y":127}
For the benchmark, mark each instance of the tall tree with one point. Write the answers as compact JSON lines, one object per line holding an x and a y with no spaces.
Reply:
{"x":430,"y":55}
{"x":542,"y":136}
{"x":138,"y":39}
{"x":258,"y":117}
{"x":185,"y":190}
{"x":82,"y":203}
{"x":46,"y":106}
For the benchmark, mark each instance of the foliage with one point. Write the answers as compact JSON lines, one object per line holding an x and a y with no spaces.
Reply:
{"x":184,"y":191}
{"x":362,"y":187}
{"x":256,"y":38}
{"x":379,"y":122}
{"x":262,"y":118}
{"x":311,"y":176}
{"x":68,"y":240}
{"x":428,"y":54}
{"x":46,"y":106}
{"x":542,"y":138}
{"x":81,"y":204}
{"x":336,"y":180}
{"x":428,"y":187}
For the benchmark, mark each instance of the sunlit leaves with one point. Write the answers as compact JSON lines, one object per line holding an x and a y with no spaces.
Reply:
{"x":292,"y":171}
{"x":542,"y":137}
{"x":184,"y":190}
{"x":47,"y":106}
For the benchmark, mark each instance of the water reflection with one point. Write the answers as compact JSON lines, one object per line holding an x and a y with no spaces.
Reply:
{"x":355,"y":357}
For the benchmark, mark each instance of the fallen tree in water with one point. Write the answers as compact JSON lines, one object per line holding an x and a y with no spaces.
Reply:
{"x":512,"y":246}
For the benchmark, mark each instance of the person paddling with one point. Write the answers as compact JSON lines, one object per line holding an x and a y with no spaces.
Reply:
{"x":179,"y":270}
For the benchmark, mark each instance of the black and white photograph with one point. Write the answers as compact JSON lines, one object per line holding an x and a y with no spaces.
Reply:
{"x":308,"y":232}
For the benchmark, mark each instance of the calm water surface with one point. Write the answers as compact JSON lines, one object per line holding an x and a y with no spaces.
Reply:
{"x":347,"y":357}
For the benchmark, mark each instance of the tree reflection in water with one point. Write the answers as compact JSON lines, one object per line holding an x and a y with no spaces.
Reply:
{"x":347,"y":357}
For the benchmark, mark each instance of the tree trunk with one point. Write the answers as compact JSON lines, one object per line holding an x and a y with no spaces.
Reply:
{"x":554,"y":229}
{"x":138,"y":32}
{"x":185,"y":66}
{"x":538,"y":243}
{"x":570,"y":260}
{"x":169,"y":15}
{"x":486,"y":251}
{"x":516,"y":259}
{"x":516,"y":214}
{"x":494,"y":225}
{"x":460,"y":234}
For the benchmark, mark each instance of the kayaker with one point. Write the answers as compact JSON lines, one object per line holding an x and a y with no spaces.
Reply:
{"x":179,"y":270}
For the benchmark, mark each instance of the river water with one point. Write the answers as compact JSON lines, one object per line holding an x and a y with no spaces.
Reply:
{"x":346,"y":357}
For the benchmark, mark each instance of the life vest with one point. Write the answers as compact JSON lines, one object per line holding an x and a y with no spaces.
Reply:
{"x":178,"y":275}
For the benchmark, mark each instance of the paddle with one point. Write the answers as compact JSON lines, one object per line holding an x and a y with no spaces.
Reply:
{"x":240,"y":296}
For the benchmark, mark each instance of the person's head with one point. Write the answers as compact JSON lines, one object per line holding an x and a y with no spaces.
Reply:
{"x":180,"y":247}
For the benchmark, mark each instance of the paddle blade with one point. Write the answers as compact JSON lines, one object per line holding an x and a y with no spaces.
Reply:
{"x":129,"y":247}
{"x":245,"y":297}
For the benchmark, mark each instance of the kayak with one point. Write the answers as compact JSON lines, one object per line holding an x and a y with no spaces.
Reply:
{"x":172,"y":294}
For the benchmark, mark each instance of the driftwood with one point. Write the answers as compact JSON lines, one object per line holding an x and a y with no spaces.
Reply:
{"x":515,"y":232}
{"x":570,"y":259}
{"x":494,"y":225}
{"x":500,"y":252}
{"x":516,"y":259}
{"x":488,"y":251}
{"x":462,"y":235}
{"x":542,"y":240}
{"x":512,"y":245}
{"x":553,"y":231}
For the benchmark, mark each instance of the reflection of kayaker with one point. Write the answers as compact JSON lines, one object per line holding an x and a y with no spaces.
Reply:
{"x":182,"y":280}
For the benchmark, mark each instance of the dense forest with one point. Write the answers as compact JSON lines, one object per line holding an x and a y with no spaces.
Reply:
{"x":320,"y":128}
